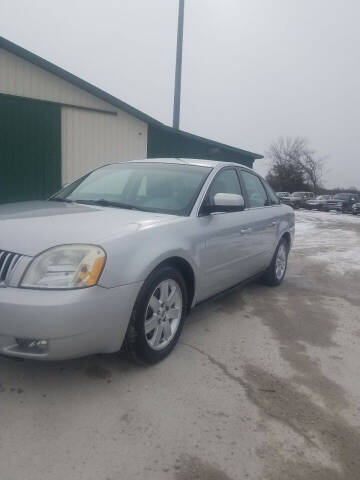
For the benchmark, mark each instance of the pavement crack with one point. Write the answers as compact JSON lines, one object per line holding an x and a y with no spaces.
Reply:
{"x":220,"y":365}
{"x":252,"y":394}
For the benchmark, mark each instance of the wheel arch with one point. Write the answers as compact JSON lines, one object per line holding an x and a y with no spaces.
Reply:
{"x":186,"y":270}
{"x":287,"y":237}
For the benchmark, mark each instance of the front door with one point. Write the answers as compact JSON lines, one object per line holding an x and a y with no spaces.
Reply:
{"x":227,"y":240}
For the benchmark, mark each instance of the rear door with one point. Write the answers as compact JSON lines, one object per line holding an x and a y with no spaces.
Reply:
{"x":263,"y":216}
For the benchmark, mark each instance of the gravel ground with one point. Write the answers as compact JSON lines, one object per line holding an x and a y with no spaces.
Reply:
{"x":263,"y":385}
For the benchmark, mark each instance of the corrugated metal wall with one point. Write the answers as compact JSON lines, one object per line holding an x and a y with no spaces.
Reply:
{"x":165,"y":142}
{"x":22,"y":78}
{"x":91,"y":139}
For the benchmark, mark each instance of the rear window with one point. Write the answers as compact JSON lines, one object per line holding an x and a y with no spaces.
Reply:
{"x":274,"y":199}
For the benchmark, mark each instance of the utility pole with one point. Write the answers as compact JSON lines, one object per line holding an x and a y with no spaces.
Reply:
{"x":177,"y":92}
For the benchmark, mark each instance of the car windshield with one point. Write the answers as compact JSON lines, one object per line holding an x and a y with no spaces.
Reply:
{"x":154,"y":187}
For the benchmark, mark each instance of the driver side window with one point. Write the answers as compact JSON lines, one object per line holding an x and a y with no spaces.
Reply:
{"x":226,"y":181}
{"x":257,"y":196}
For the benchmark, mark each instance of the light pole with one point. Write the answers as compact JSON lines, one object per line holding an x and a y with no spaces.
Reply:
{"x":177,"y":90}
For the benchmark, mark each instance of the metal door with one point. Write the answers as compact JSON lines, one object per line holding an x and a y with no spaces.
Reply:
{"x":30,"y":149}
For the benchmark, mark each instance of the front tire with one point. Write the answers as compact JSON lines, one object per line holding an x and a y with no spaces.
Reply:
{"x":158,"y":316}
{"x":275,"y":274}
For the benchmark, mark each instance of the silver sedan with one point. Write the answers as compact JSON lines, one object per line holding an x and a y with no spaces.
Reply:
{"x":119,"y":257}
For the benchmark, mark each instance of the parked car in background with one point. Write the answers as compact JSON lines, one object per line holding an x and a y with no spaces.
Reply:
{"x":121,"y":255}
{"x":283,"y":194}
{"x":343,"y":202}
{"x":298,"y":199}
{"x":356,"y":208}
{"x":318,"y":203}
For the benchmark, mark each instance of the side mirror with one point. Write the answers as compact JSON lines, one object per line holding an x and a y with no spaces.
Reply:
{"x":226,"y":202}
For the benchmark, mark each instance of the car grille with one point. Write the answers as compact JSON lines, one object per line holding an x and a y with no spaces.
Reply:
{"x":8,"y":260}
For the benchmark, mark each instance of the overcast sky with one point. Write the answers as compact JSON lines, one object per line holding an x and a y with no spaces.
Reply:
{"x":253,"y":70}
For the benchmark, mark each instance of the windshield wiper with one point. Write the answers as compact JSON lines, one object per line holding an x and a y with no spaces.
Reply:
{"x":107,"y":203}
{"x":58,"y":199}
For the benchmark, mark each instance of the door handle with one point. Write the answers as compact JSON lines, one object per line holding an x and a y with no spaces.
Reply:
{"x":243,"y":231}
{"x":274,"y":223}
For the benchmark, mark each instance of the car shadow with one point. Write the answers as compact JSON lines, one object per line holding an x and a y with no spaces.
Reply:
{"x":20,"y":374}
{"x":17,"y":373}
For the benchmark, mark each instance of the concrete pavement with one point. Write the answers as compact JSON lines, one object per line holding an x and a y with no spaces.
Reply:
{"x":264,"y":384}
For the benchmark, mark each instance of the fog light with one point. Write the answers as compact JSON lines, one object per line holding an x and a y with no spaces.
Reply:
{"x":37,"y":346}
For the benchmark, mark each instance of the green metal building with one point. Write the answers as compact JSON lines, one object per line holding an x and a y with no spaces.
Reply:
{"x":54,"y":127}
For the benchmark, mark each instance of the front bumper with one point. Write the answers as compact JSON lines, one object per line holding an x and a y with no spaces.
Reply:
{"x":74,"y":323}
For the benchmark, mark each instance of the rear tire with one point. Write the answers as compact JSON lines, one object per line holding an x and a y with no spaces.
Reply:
{"x":275,"y":274}
{"x":158,"y":316}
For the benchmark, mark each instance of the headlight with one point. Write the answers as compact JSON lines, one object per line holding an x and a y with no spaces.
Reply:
{"x":65,"y":267}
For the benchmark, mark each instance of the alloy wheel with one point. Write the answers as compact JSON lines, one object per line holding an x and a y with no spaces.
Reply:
{"x":281,"y":261}
{"x":163,"y":314}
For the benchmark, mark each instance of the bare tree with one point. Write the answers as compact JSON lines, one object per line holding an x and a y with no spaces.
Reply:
{"x":313,"y":169}
{"x":294,"y":166}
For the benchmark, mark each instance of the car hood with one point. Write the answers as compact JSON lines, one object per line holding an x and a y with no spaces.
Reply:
{"x":31,"y":227}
